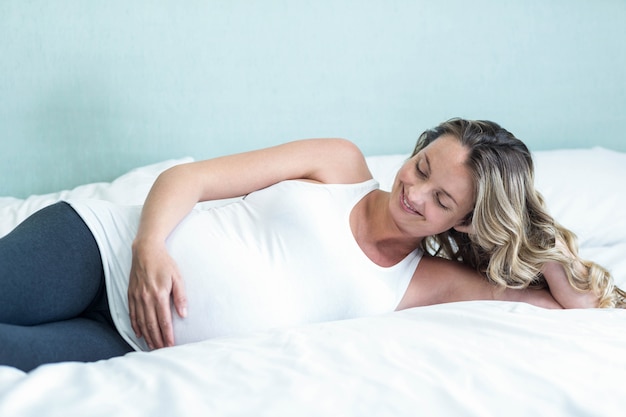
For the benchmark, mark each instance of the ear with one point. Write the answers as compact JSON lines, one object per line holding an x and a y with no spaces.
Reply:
{"x":465,"y":225}
{"x":463,"y":228}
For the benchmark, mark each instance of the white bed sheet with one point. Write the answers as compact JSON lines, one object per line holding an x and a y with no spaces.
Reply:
{"x":465,"y":359}
{"x":460,"y":359}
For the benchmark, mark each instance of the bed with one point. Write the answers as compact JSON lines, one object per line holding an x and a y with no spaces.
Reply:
{"x":479,"y":358}
{"x":96,"y":97}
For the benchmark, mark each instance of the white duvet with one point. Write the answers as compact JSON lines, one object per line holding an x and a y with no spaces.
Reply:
{"x":458,"y":359}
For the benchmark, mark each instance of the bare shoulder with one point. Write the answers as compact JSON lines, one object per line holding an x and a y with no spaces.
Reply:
{"x":338,"y":161}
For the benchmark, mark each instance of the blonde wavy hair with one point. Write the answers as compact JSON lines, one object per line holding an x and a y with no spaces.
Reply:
{"x":513,"y":234}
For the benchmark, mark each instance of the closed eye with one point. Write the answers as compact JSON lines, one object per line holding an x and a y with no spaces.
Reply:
{"x":420,"y":172}
{"x":440,"y":204}
{"x":422,"y":167}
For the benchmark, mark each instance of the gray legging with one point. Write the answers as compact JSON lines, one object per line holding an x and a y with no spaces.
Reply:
{"x":53,"y":305}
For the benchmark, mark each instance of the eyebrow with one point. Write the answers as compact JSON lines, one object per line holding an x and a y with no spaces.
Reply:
{"x":442,"y":190}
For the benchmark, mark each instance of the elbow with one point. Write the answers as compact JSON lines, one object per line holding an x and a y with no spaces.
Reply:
{"x":587,"y":299}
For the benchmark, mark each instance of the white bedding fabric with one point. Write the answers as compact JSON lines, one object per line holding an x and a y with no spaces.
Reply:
{"x":461,"y":359}
{"x":458,"y":359}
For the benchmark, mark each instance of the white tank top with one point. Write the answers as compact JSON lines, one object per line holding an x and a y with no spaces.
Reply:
{"x":281,"y":256}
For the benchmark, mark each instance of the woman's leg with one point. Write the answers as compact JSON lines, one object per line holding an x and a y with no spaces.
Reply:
{"x":50,"y":274}
{"x":50,"y":268}
{"x":79,"y":339}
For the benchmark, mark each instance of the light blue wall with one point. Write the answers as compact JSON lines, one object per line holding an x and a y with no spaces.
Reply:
{"x":89,"y":89}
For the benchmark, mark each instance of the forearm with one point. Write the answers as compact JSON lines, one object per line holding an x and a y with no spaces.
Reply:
{"x":560,"y":294}
{"x":538,"y":297}
{"x":563,"y":291}
{"x":561,"y":288}
{"x":171,"y":198}
{"x":154,"y":278}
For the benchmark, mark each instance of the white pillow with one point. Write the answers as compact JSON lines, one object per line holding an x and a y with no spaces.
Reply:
{"x":584,"y":191}
{"x":385,"y":167}
{"x":131,"y":188}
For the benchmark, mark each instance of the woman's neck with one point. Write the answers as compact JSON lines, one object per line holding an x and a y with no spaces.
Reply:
{"x":375,"y":233}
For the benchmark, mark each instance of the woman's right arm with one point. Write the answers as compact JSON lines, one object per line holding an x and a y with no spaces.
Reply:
{"x":437,"y":280}
{"x":154,"y":278}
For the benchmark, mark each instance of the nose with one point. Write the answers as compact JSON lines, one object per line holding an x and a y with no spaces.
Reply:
{"x":417,"y":195}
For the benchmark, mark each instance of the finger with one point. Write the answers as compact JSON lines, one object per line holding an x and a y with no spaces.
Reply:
{"x":141,"y":325}
{"x":164,"y":316}
{"x":132,"y":309}
{"x":151,"y":329}
{"x":179,"y":296}
{"x":133,"y":322}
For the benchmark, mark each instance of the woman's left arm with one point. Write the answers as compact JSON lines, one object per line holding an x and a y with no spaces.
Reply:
{"x":560,"y":288}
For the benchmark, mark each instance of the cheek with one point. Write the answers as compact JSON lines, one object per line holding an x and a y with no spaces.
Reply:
{"x":442,"y":219}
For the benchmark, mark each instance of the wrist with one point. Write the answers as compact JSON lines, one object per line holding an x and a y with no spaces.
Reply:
{"x":147,"y":244}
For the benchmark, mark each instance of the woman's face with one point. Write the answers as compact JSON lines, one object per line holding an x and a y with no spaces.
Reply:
{"x":433,"y":191}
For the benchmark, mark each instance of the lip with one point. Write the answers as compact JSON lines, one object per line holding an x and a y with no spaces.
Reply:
{"x":404,"y":203}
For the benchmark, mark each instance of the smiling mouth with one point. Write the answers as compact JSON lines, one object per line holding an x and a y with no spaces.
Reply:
{"x":406,"y":205}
